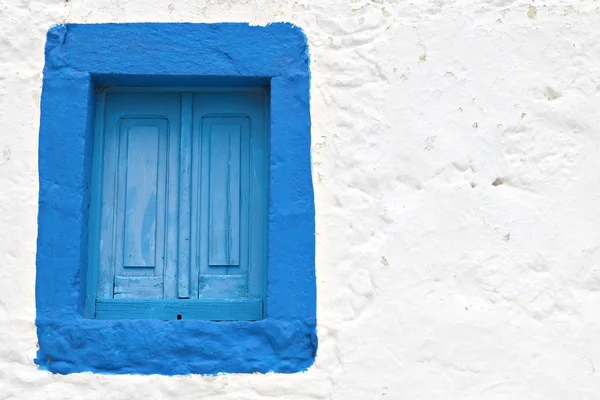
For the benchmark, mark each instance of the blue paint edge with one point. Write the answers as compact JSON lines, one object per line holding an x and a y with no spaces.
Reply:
{"x":81,"y":58}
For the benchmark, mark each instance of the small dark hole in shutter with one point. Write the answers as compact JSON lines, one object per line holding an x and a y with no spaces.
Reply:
{"x":178,"y":316}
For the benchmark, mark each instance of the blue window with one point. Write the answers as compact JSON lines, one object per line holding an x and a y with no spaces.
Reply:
{"x":176,"y":210}
{"x":181,"y":187}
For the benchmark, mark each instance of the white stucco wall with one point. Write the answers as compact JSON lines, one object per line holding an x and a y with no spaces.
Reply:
{"x":433,"y":282}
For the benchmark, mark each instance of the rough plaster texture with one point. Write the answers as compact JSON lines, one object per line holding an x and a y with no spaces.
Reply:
{"x":456,"y":163}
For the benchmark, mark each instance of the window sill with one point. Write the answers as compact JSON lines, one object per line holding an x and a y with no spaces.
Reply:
{"x":211,"y":310}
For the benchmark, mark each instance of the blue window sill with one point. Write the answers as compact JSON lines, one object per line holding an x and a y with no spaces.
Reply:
{"x":79,"y":60}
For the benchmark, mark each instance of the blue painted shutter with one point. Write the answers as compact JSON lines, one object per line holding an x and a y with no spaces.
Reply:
{"x":184,"y":206}
{"x":139,"y":177}
{"x":231,"y":197}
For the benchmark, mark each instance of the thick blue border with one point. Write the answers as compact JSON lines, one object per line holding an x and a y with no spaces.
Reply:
{"x":81,"y":58}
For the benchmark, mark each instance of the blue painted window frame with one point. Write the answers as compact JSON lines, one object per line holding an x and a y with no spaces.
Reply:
{"x":80,"y":59}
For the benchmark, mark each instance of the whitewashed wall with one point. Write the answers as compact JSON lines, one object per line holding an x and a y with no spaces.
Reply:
{"x":456,"y":160}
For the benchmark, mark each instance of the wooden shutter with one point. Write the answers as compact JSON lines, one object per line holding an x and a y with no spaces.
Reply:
{"x":139,"y":177}
{"x":184,"y":206}
{"x":230,"y":205}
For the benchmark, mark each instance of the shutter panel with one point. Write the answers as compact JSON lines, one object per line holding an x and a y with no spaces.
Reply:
{"x":224,"y":207}
{"x":224,"y":137}
{"x":230,"y":205}
{"x":134,"y":229}
{"x":141,"y":178}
